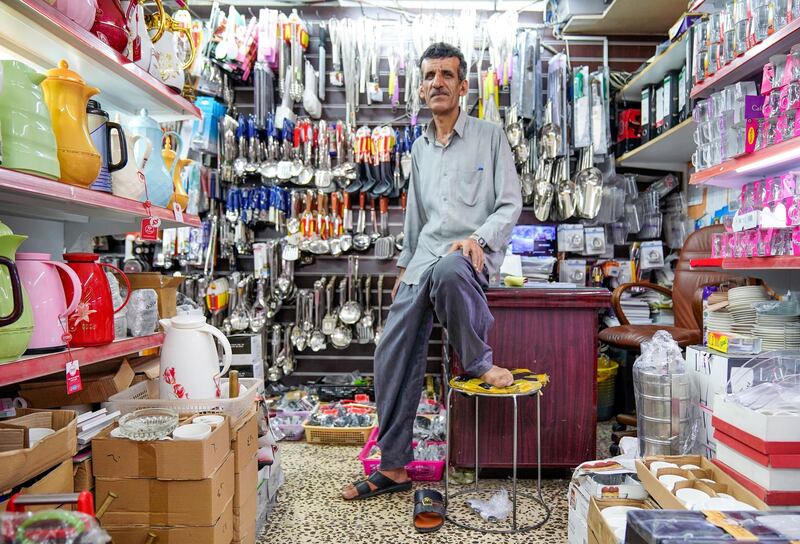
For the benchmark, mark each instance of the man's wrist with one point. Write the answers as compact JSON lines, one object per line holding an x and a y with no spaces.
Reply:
{"x":479,"y":239}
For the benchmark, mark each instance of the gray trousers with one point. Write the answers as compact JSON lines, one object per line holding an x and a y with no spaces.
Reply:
{"x":454,"y":291}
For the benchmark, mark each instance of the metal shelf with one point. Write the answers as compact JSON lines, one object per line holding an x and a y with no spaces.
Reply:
{"x":36,"y":366}
{"x":668,"y":151}
{"x":671,"y":59}
{"x":26,"y":195}
{"x":34,"y":32}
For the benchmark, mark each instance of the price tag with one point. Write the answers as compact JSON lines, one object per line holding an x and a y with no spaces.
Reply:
{"x":74,"y":383}
{"x":136,"y":49}
{"x":176,"y":208}
{"x":362,"y":398}
{"x":149,"y":228}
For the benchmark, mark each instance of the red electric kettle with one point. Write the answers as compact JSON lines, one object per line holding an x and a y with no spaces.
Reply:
{"x":111,"y":24}
{"x":92,"y":323}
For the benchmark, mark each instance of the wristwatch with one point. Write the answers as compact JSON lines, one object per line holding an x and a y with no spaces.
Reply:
{"x":481,"y":241}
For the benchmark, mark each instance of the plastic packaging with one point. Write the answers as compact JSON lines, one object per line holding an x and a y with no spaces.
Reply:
{"x":769,"y":383}
{"x":495,"y":509}
{"x":51,"y":527}
{"x":143,"y":315}
{"x":667,"y":421}
{"x":120,"y":322}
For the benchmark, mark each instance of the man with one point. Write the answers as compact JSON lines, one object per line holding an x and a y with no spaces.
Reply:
{"x":464,"y":198}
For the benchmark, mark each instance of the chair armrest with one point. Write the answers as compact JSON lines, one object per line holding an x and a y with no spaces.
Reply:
{"x":616,"y":297}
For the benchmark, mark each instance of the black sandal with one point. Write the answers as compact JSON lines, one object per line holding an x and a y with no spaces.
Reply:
{"x":383,"y":484}
{"x":429,"y":511}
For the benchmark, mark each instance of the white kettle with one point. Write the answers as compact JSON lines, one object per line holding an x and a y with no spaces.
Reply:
{"x":190,"y":366}
{"x":166,"y":51}
{"x":138,"y":26}
{"x":127,"y":182}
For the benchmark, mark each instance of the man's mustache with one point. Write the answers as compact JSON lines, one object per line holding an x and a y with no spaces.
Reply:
{"x":440,"y":92}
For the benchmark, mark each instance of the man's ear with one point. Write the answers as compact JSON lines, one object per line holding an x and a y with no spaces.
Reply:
{"x":422,"y":94}
{"x":463,"y":88}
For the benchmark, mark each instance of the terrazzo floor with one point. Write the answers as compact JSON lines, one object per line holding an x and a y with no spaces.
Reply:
{"x":310,"y":510}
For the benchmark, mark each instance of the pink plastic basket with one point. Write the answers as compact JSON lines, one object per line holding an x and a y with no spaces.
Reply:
{"x":419,"y":471}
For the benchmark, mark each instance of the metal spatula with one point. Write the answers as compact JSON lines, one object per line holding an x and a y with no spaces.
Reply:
{"x":331,"y":318}
{"x":384,"y":246}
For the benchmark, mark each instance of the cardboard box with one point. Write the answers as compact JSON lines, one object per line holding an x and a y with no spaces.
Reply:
{"x":82,"y":475}
{"x":220,"y":532}
{"x":248,"y":355}
{"x":668,"y":501}
{"x":161,"y":459}
{"x":145,"y":501}
{"x":166,"y":287}
{"x":58,"y":480}
{"x":20,"y":465}
{"x":244,"y":518}
{"x":599,"y":531}
{"x":598,"y":480}
{"x":244,"y":440}
{"x":98,"y":385}
{"x":245,"y":483}
{"x":777,"y":500}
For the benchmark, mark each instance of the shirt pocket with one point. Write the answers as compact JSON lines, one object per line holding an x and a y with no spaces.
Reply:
{"x":471,"y":183}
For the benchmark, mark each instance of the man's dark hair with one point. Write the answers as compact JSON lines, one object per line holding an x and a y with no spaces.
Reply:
{"x":442,"y":50}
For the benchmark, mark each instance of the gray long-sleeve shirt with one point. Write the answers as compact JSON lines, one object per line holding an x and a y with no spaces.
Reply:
{"x":469,"y":186}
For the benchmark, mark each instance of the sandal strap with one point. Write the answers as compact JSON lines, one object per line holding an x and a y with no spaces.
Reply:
{"x":429,"y":501}
{"x":380,"y":481}
{"x":362,"y":487}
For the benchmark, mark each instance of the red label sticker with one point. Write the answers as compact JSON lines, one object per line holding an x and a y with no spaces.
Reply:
{"x":136,"y":49}
{"x":362,"y":398}
{"x":330,"y":412}
{"x":149,"y":228}
{"x":358,"y":410}
{"x":74,"y":383}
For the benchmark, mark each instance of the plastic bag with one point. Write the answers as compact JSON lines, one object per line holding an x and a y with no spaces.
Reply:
{"x":120,"y":330}
{"x":495,"y":509}
{"x":51,"y":527}
{"x":143,"y":315}
{"x":769,"y":382}
{"x":660,"y":381}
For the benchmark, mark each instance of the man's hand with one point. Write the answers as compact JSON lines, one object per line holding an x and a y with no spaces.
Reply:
{"x":472,"y":250}
{"x":400,"y":273}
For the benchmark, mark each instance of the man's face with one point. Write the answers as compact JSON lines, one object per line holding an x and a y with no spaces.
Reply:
{"x":441,"y":87}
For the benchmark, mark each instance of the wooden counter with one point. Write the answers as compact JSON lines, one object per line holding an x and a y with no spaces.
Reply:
{"x":546,"y":330}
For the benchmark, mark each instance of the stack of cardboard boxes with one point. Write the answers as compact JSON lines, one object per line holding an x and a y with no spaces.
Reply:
{"x":181,"y":491}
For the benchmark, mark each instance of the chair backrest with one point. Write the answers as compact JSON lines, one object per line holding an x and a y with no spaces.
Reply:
{"x":688,"y":281}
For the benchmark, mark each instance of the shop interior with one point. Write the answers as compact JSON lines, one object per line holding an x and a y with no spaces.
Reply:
{"x":206,"y":207}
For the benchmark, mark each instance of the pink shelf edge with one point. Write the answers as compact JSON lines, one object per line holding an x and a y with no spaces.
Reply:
{"x":729,"y":167}
{"x":36,"y":366}
{"x":29,"y":183}
{"x":93,"y":42}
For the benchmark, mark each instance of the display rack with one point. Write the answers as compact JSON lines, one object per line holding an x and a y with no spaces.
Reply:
{"x":26,"y":195}
{"x":36,"y":33}
{"x":671,"y":150}
{"x":734,"y":173}
{"x":36,"y":366}
{"x":624,"y":18}
{"x":751,"y":62}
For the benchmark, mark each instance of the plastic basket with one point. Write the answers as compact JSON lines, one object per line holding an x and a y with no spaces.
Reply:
{"x":138,"y":396}
{"x":339,"y":435}
{"x":293,"y":431}
{"x":606,"y":369}
{"x":606,"y":376}
{"x":419,"y":471}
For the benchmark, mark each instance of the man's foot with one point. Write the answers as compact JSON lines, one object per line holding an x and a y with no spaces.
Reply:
{"x":498,"y":377}
{"x":397,"y":475}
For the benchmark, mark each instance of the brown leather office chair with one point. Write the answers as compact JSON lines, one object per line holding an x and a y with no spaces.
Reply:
{"x":686,"y":294}
{"x":687,"y":305}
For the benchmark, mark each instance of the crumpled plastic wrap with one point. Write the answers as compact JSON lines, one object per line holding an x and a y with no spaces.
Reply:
{"x":430,"y":427}
{"x":668,"y":420}
{"x":497,"y":508}
{"x":51,"y":527}
{"x":120,"y":323}
{"x":770,"y":382}
{"x":341,"y":418}
{"x":142,"y":316}
{"x":789,"y":305}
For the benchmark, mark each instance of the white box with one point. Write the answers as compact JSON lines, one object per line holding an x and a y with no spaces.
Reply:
{"x":762,"y":427}
{"x":771,"y":479}
{"x":710,"y":371}
{"x":705,"y":434}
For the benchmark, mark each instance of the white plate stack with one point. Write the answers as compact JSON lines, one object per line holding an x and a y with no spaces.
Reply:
{"x":778,"y":331}
{"x":740,"y":306}
{"x":720,"y":321}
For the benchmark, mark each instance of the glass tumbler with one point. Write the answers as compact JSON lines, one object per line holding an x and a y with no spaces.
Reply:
{"x":780,"y":14}
{"x":761,"y":23}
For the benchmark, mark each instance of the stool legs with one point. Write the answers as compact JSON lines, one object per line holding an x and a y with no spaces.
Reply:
{"x":476,"y":443}
{"x":447,"y":448}
{"x":514,"y":466}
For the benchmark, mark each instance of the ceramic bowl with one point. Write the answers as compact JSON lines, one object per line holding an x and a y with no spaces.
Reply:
{"x":192,"y":431}
{"x":669,"y":480}
{"x":212,"y":420}
{"x":655,"y":466}
{"x":691,"y":497}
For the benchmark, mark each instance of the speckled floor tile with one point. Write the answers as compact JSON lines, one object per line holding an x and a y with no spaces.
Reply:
{"x":310,"y":510}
